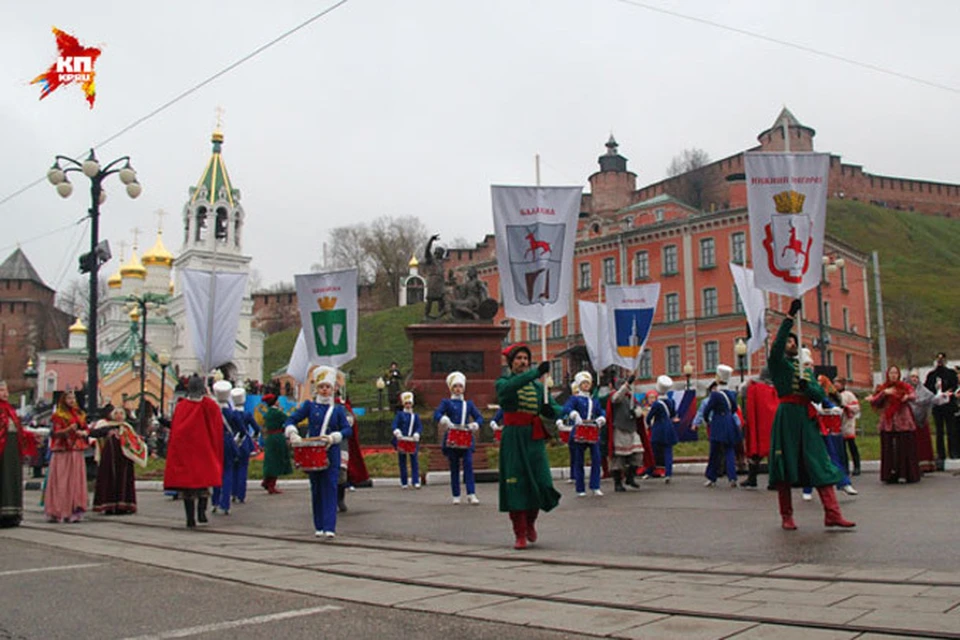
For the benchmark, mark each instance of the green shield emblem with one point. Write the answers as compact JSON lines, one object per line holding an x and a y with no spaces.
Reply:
{"x":330,"y":331}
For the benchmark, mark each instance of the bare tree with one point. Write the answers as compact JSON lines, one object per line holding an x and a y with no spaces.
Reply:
{"x":691,"y":178}
{"x":390,"y":244}
{"x":908,"y":336}
{"x":348,"y":250}
{"x":74,"y":298}
{"x":255,"y":280}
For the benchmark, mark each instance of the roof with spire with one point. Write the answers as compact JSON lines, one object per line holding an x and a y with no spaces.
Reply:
{"x":133,"y":267}
{"x":612,"y":160}
{"x":787,"y":119}
{"x":214,"y":176}
{"x":18,"y":267}
{"x":158,"y":255}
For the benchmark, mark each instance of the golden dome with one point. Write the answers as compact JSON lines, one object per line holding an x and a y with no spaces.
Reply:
{"x":158,"y":255}
{"x":115,"y":281}
{"x":413,"y":262}
{"x":134,"y":268}
{"x":78,"y":327}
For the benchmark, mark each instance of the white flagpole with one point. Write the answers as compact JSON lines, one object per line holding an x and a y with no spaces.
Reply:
{"x":543,"y":327}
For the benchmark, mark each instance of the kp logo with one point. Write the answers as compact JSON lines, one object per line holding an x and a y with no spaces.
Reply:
{"x":788,"y":237}
{"x":74,"y":64}
{"x":329,"y":327}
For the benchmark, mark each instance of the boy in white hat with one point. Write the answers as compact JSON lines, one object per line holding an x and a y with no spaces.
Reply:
{"x":660,"y":419}
{"x":249,"y":429}
{"x":579,"y":408}
{"x":327,"y":421}
{"x":720,"y":412}
{"x":456,"y":412}
{"x":231,"y":452}
{"x":406,"y":424}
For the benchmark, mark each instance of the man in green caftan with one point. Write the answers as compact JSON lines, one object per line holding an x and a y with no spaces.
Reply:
{"x":526,"y":485}
{"x":798,"y":456}
{"x":276,"y":455}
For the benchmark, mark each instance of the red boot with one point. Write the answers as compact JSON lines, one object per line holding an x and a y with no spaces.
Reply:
{"x":831,"y":508}
{"x":531,"y":520}
{"x":519,"y":520}
{"x":786,"y":507}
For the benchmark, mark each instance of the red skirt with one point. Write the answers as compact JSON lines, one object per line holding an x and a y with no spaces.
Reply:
{"x":925,"y":449}
{"x":66,"y":485}
{"x":898,"y":456}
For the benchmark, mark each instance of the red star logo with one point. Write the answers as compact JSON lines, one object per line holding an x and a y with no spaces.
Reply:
{"x":74,"y":64}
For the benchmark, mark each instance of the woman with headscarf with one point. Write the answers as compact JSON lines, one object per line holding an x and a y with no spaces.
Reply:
{"x":65,"y":499}
{"x":15,"y":445}
{"x":921,"y":408}
{"x":898,"y":445}
{"x":119,"y":447}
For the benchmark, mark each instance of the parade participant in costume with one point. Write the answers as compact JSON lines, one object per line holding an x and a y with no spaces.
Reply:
{"x":564,"y":429}
{"x":65,"y":498}
{"x":246,"y":440}
{"x":830,"y":420}
{"x":327,"y":422}
{"x":848,"y":427}
{"x":456,"y":412}
{"x":921,"y":408}
{"x":627,"y":452}
{"x":406,"y":424}
{"x":353,"y":469}
{"x":232,"y":428}
{"x":761,"y":408}
{"x":526,"y":485}
{"x":276,"y":455}
{"x":496,"y":425}
{"x":118,"y":447}
{"x":720,"y":412}
{"x":584,"y":407}
{"x":15,"y":445}
{"x":661,"y":419}
{"x":797,"y":453}
{"x":943,"y":381}
{"x":195,"y":452}
{"x":898,"y":431}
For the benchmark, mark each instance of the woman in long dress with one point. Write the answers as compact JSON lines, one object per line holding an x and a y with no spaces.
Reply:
{"x":15,"y":445}
{"x":65,"y":499}
{"x":120,"y":447}
{"x":898,"y":444}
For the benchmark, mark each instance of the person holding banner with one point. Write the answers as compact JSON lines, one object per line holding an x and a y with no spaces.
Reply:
{"x":526,"y":486}
{"x":276,"y":455}
{"x":327,"y":424}
{"x":661,"y":419}
{"x":460,"y":420}
{"x":720,"y":412}
{"x":627,"y":452}
{"x":798,"y":456}
{"x":407,"y":429}
{"x":584,"y":410}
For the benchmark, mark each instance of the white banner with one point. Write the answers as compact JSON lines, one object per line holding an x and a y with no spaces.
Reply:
{"x":593,"y":327}
{"x":536,"y":228}
{"x":630,"y":312}
{"x":754,"y":306}
{"x":299,"y":363}
{"x":328,"y":315}
{"x":212,"y":300}
{"x":787,"y":202}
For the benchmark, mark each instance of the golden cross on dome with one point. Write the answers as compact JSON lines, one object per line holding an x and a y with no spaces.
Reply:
{"x":160,"y":213}
{"x":123,"y":249}
{"x":219,"y":111}
{"x":136,"y":236}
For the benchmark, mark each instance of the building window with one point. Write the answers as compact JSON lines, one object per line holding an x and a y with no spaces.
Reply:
{"x":737,"y":302}
{"x":533,"y":332}
{"x":738,"y":247}
{"x":826,"y":313}
{"x":711,"y":355}
{"x":556,"y":328}
{"x":846,"y":319}
{"x":642,"y":265}
{"x":670,"y":259}
{"x":556,"y":371}
{"x":646,"y":364}
{"x":658,"y":214}
{"x":673,"y":360}
{"x":51,"y":383}
{"x":830,"y":358}
{"x":849,"y":359}
{"x":843,"y":277}
{"x":609,"y":271}
{"x":709,"y":302}
{"x":585,"y":275}
{"x":672,"y":307}
{"x":708,"y":253}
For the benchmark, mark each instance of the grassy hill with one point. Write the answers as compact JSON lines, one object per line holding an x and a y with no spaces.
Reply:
{"x":919,"y":262}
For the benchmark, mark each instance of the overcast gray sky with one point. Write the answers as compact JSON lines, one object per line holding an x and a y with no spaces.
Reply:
{"x":389,"y":107}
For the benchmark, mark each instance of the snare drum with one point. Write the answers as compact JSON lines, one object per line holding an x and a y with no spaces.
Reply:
{"x":588,"y":433}
{"x":564,"y":433}
{"x":458,"y":438}
{"x":406,"y":445}
{"x":310,"y":455}
{"x":498,"y":435}
{"x":830,"y":424}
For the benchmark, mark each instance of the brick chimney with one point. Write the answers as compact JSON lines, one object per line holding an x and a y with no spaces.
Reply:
{"x":737,"y":190}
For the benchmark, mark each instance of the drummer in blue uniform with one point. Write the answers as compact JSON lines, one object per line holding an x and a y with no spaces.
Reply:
{"x":456,"y":412}
{"x":582,"y":408}
{"x":662,"y":418}
{"x":327,"y":422}
{"x":249,"y":431}
{"x":720,"y":412}
{"x":231,"y":452}
{"x":407,"y":425}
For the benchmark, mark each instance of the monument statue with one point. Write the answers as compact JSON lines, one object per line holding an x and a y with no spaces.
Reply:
{"x":433,"y":260}
{"x":471,"y":301}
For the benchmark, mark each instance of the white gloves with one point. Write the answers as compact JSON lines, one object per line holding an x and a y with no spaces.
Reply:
{"x":397,"y":433}
{"x":292,"y":434}
{"x":494,"y":426}
{"x":473,"y":426}
{"x":575,"y":417}
{"x":445,"y":421}
{"x":559,"y":424}
{"x":416,"y":437}
{"x":336,"y":437}
{"x":601,"y":421}
{"x":638,"y":412}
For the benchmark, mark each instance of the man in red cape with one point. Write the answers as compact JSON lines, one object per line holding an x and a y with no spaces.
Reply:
{"x":195,"y":452}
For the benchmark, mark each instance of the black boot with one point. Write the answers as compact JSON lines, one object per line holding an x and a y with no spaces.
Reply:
{"x":854,"y":455}
{"x":202,"y":510}
{"x":341,"y":493}
{"x":752,"y":470}
{"x":618,"y":481}
{"x":632,"y":477}
{"x":188,"y":506}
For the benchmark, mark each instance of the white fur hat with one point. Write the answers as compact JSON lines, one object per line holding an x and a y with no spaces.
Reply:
{"x":456,"y":378}
{"x":806,"y":358}
{"x":664,"y":384}
{"x":724,"y":372}
{"x":574,"y":386}
{"x":238,"y":395}
{"x":406,"y":396}
{"x":325,"y":375}
{"x":581,"y":377}
{"x":221,"y":390}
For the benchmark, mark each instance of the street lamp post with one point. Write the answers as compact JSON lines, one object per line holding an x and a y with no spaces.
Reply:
{"x":139,"y":307}
{"x":740,"y":348}
{"x":688,"y":371}
{"x":164,"y":360}
{"x":830,"y":265}
{"x":30,"y":373}
{"x":381,"y":385}
{"x":90,"y":262}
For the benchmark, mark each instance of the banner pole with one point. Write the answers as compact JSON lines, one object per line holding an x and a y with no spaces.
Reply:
{"x":543,"y":327}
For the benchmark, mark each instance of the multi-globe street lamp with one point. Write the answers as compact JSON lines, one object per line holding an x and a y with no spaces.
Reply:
{"x":830,"y":266}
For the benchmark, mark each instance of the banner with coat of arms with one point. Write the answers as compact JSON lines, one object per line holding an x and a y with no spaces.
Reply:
{"x":787,"y":204}
{"x":328,"y":315}
{"x":536,"y":228}
{"x":630,"y":312}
